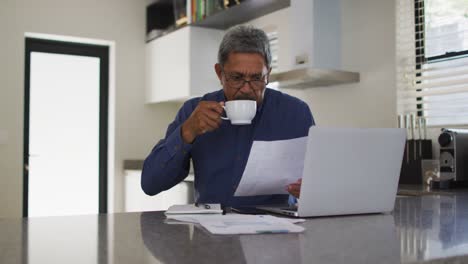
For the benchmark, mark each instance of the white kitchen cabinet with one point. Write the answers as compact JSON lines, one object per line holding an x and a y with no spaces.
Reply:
{"x":137,"y":201}
{"x":180,"y":65}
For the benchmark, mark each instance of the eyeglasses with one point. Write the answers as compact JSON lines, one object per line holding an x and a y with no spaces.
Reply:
{"x":237,"y":81}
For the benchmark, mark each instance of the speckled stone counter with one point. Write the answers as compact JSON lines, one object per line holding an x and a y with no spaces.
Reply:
{"x":427,"y":228}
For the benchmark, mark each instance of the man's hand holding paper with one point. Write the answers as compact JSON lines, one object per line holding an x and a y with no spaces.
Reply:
{"x":272,"y":166}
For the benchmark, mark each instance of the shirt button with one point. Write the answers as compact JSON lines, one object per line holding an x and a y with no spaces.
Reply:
{"x":176,"y":147}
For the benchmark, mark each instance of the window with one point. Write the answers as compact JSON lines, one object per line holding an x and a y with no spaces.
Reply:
{"x":446,"y":28}
{"x":432,"y":60}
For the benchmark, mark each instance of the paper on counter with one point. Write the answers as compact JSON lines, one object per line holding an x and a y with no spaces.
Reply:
{"x":193,"y":209}
{"x":241,"y":224}
{"x":272,"y":165}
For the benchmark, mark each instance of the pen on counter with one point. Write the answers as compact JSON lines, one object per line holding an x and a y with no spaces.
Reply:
{"x":206,"y":206}
{"x":279,"y":231}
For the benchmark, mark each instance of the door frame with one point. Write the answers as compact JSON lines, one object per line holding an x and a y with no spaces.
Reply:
{"x":80,"y":49}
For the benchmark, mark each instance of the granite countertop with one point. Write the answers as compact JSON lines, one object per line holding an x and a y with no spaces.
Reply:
{"x":421,"y":229}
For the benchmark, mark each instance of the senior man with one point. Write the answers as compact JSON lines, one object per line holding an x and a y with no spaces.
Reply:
{"x":218,"y":149}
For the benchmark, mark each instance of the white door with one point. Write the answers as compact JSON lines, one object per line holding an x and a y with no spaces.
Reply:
{"x":64,"y":139}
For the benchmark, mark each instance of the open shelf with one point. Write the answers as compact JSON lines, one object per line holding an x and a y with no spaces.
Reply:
{"x":247,"y":10}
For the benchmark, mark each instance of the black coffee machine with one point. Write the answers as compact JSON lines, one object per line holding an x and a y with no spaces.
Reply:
{"x":454,"y":156}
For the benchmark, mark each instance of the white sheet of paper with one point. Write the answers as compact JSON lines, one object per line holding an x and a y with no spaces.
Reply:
{"x":192,"y":209}
{"x":241,"y":224}
{"x":272,"y":165}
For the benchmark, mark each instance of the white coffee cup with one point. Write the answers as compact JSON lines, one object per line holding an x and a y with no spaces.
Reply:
{"x":240,"y":112}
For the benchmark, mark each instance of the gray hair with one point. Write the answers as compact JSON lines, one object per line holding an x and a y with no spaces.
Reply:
{"x":244,"y":39}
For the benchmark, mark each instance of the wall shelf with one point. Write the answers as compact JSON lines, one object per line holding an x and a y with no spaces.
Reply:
{"x":160,"y":20}
{"x":246,"y":11}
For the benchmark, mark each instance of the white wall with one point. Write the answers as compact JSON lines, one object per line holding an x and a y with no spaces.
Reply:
{"x":368,"y":47}
{"x":137,"y":126}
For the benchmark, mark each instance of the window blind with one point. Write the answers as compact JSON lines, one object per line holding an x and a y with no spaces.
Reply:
{"x":431,"y":83}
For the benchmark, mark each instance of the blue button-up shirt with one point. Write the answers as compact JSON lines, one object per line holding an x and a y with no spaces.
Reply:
{"x":219,"y":157}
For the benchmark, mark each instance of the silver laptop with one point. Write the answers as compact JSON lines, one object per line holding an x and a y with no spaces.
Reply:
{"x":349,"y":171}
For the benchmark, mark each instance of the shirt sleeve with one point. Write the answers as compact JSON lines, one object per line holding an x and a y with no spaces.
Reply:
{"x":308,"y":117}
{"x":169,"y":161}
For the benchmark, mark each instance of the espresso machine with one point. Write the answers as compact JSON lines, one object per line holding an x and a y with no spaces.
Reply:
{"x":454,"y":156}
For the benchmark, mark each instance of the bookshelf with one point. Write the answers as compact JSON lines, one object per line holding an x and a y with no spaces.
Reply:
{"x":160,"y":19}
{"x":238,"y":14}
{"x":205,"y":13}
